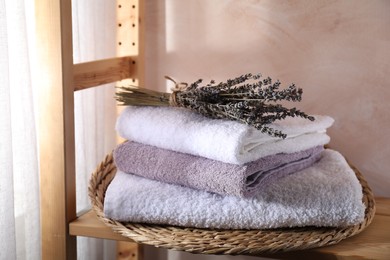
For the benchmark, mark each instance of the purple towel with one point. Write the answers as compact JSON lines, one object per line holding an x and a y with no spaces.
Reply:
{"x":210,"y":175}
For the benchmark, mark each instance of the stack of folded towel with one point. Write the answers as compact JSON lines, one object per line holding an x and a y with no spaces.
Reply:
{"x":180,"y":168}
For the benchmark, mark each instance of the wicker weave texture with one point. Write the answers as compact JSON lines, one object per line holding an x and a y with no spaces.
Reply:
{"x":233,"y":242}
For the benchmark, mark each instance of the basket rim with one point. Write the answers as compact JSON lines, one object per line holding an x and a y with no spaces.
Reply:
{"x":219,"y":241}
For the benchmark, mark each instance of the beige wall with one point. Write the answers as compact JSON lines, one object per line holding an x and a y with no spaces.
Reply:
{"x":337,"y":51}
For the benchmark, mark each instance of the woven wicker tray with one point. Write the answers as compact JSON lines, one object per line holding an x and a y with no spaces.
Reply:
{"x":212,"y":241}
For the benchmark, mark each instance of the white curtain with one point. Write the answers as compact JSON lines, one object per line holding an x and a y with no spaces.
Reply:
{"x":94,"y":38}
{"x":94,"y":119}
{"x":19,"y":182}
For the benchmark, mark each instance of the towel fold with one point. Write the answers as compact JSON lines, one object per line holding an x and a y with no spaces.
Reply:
{"x":184,"y":131}
{"x":325,"y":194}
{"x":210,"y":175}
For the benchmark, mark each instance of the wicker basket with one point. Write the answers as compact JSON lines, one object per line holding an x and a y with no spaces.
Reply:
{"x":212,"y":241}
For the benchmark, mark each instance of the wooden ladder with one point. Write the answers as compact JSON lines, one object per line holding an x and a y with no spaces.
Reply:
{"x":59,"y":80}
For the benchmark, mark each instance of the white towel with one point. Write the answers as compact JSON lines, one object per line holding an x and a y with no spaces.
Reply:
{"x":184,"y":131}
{"x":326,"y":194}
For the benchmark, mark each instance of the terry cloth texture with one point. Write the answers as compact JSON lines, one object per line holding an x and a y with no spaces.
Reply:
{"x":184,"y":131}
{"x":325,"y":194}
{"x":210,"y":175}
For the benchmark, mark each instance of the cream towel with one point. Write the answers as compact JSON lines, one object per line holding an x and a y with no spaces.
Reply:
{"x":325,"y":194}
{"x":184,"y":131}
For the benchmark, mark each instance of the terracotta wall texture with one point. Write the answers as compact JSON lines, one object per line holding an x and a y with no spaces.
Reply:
{"x":337,"y":51}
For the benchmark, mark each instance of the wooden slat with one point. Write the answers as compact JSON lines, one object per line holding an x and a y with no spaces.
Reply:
{"x":56,"y":127}
{"x":127,"y":16}
{"x":95,"y":73}
{"x":130,"y":37}
{"x":382,"y":206}
{"x":372,"y":243}
{"x":89,"y":225}
{"x":129,"y":251}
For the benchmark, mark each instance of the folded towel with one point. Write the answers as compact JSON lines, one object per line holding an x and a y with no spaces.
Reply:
{"x":210,"y":175}
{"x":325,"y":194}
{"x":184,"y":131}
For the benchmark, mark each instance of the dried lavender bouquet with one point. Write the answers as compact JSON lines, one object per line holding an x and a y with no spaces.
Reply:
{"x":248,"y":99}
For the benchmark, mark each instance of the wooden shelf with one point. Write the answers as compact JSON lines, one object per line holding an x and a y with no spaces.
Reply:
{"x":88,"y":225}
{"x":372,"y":243}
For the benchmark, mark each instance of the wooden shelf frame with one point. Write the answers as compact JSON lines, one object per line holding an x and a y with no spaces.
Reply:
{"x":60,"y":78}
{"x":56,"y":127}
{"x":96,"y":73}
{"x":88,"y":225}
